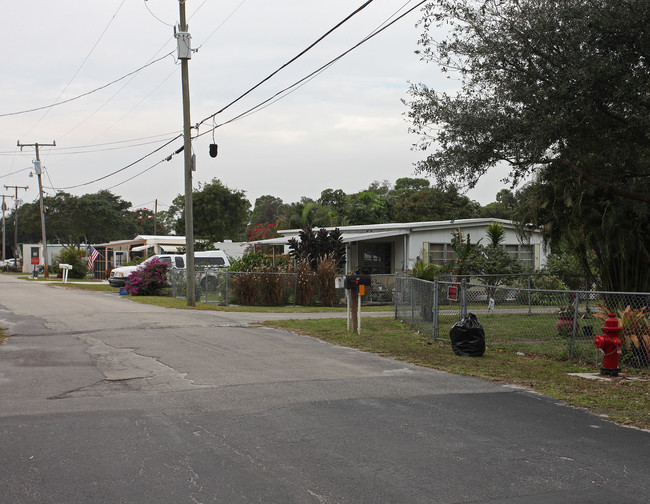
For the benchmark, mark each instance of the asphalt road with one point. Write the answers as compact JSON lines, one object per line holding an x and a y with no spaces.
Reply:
{"x":103,"y":400}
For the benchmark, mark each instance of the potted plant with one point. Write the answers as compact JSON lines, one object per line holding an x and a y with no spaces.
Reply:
{"x":565,"y":320}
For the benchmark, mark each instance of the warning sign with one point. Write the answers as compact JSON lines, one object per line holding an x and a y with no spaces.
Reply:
{"x":452,"y":293}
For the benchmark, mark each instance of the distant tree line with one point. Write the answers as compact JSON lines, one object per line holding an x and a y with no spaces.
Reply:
{"x":222,"y":213}
{"x":408,"y":200}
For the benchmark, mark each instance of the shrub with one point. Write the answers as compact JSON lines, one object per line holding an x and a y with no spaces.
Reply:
{"x":149,"y":280}
{"x":272,"y":287}
{"x":305,"y":281}
{"x":326,"y":270}
{"x":251,"y":261}
{"x":75,"y":258}
{"x":425,"y":271}
{"x":245,"y":286}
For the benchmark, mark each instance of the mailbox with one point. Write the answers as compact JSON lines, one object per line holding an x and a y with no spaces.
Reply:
{"x":354,"y":281}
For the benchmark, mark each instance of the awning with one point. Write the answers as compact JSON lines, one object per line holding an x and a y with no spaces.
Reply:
{"x":355,"y":237}
{"x":345,"y":237}
{"x":141,"y":247}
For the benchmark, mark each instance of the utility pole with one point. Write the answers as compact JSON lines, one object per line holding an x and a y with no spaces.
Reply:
{"x":4,"y":209}
{"x":37,"y":169}
{"x":155,"y":216}
{"x":184,"y":54}
{"x":16,"y":216}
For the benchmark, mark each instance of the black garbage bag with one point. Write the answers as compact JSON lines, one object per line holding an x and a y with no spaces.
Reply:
{"x":468,"y":337}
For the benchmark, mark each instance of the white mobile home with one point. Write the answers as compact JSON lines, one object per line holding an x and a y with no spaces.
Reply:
{"x":390,"y":248}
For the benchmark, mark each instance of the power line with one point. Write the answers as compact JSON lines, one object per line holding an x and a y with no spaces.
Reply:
{"x":80,"y":67}
{"x":300,"y":54}
{"x":156,"y":17}
{"x":116,"y":142}
{"x":17,"y":171}
{"x":136,"y":175}
{"x":277,"y":96}
{"x":121,"y":169}
{"x":56,"y":104}
{"x":284,"y":92}
{"x":220,"y":25}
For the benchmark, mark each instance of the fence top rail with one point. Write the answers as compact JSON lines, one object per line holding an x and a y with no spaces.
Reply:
{"x":523,"y":289}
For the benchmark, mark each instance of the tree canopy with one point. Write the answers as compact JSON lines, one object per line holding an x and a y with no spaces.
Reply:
{"x":557,"y":90}
{"x":96,"y":218}
{"x":219,"y":213}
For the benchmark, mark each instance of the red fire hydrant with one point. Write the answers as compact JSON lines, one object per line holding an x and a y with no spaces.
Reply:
{"x":610,"y":345}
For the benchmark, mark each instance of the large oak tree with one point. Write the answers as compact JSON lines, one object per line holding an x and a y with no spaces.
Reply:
{"x":558,"y":90}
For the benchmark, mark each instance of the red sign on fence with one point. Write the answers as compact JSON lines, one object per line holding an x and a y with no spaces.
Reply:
{"x":452,"y":293}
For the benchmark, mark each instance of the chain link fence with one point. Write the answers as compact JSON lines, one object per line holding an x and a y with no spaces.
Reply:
{"x":222,"y":287}
{"x":558,"y":324}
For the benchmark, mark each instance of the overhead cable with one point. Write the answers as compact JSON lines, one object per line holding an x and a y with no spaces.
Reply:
{"x":300,"y":54}
{"x":121,"y":169}
{"x":56,"y":104}
{"x":277,"y":96}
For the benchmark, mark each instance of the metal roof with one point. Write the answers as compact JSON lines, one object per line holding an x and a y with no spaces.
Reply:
{"x":345,"y":237}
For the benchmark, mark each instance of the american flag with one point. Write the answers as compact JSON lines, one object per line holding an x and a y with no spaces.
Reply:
{"x":91,"y":258}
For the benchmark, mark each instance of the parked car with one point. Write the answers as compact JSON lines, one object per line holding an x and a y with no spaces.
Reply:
{"x":119,"y":275}
{"x":10,"y":263}
{"x":206,"y":261}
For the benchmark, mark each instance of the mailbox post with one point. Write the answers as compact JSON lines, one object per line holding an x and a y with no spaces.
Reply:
{"x":66,"y":268}
{"x":355,"y":286}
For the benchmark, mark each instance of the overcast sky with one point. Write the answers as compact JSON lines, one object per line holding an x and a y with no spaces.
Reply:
{"x":342,"y":129}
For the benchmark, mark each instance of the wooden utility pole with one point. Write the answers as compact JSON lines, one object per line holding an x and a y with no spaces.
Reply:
{"x":16,"y":254}
{"x":184,"y":54}
{"x":155,"y":216}
{"x":37,"y":169}
{"x":4,"y":209}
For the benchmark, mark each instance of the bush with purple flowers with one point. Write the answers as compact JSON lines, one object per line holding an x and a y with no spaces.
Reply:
{"x":150,"y":280}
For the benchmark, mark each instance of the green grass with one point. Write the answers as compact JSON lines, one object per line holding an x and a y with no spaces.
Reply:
{"x":3,"y":336}
{"x":168,"y":302}
{"x":626,"y":402}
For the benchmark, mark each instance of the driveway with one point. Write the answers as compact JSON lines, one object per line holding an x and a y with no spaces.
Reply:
{"x":103,"y":400}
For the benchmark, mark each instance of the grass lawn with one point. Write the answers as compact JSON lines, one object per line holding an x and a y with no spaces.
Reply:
{"x":168,"y":302}
{"x":622,"y":400}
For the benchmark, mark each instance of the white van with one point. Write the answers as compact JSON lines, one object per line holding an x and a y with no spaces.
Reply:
{"x":208,"y":263}
{"x":205,"y":262}
{"x":211,"y":259}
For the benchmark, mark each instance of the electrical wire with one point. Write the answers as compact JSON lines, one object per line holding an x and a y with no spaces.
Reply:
{"x":14,"y":172}
{"x":222,"y":23}
{"x":116,"y":142}
{"x":156,"y":17}
{"x":368,"y":2}
{"x":107,"y":149}
{"x":121,"y":169}
{"x":136,"y":175}
{"x":300,"y":54}
{"x":277,"y":96}
{"x":197,"y":10}
{"x":47,"y":109}
{"x":293,"y":87}
{"x":56,"y":104}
